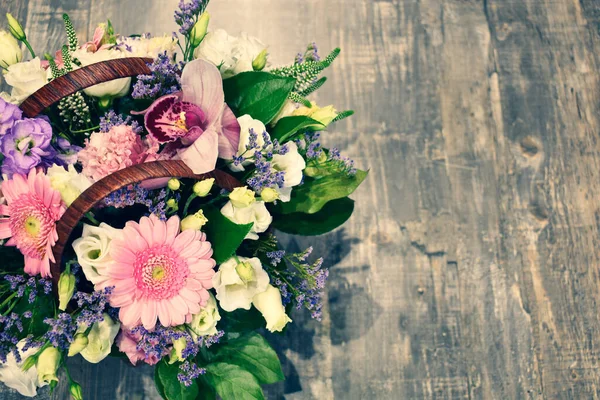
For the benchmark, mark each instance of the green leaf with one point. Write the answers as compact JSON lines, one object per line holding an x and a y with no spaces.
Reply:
{"x":232,"y":382}
{"x":253,"y":353}
{"x":159,"y":386}
{"x":332,"y":215}
{"x":260,"y":94}
{"x":12,"y":259}
{"x":242,"y":320}
{"x":168,"y":382}
{"x":206,"y":392}
{"x":315,"y":193}
{"x":287,"y":127}
{"x":224,"y":235}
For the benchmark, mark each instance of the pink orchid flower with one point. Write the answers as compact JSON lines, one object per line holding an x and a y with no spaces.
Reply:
{"x":196,"y":125}
{"x":96,"y":43}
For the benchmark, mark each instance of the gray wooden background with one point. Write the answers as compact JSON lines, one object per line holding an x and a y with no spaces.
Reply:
{"x":470,"y":268}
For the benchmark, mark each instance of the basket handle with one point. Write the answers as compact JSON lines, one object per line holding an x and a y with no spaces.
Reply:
{"x":82,"y":78}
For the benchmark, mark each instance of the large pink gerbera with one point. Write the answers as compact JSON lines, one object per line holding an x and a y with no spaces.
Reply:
{"x":159,"y":273}
{"x":29,"y":219}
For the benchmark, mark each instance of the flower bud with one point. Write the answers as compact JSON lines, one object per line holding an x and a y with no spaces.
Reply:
{"x":66,"y":288}
{"x":79,"y":343}
{"x":15,"y":28}
{"x":29,"y":362}
{"x":269,"y":195}
{"x":177,"y":352}
{"x":260,"y":62}
{"x":199,"y":30}
{"x":202,"y":188}
{"x":246,"y":272}
{"x":270,"y":305}
{"x":174,"y":184}
{"x":172,"y":204}
{"x":10,"y":51}
{"x":75,"y":391}
{"x":194,"y":221}
{"x":242,"y":197}
{"x":47,"y":364}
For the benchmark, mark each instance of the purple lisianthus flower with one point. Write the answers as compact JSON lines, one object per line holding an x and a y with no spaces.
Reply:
{"x":27,"y":145}
{"x":9,"y":114}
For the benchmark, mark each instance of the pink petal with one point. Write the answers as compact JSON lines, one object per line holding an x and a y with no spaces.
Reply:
{"x":229,"y":137}
{"x":130,"y":315}
{"x":201,"y":156}
{"x":202,"y":85}
{"x":172,"y":230}
{"x":164,"y":313}
{"x":149,"y":314}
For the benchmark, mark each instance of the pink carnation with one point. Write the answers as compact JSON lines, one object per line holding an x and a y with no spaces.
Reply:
{"x":108,"y":152}
{"x":159,"y":273}
{"x":127,"y":343}
{"x":29,"y":219}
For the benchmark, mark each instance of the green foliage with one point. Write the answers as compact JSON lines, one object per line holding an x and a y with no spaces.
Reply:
{"x":242,"y":320}
{"x":315,"y":193}
{"x":343,"y":115}
{"x":306,"y":73}
{"x":71,"y":34}
{"x":169,"y":387}
{"x":12,"y":259}
{"x":289,"y":127}
{"x":331,"y":216}
{"x":232,"y":382}
{"x":224,"y":235}
{"x":260,"y":94}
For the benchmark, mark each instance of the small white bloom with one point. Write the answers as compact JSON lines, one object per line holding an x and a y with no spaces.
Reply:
{"x":205,"y":322}
{"x":248,"y":123}
{"x":10,"y":51}
{"x":256,"y":213}
{"x":100,"y":340}
{"x":68,"y":182}
{"x":8,"y":98}
{"x":145,"y":46}
{"x":26,"y":78}
{"x":245,"y":51}
{"x":11,"y":374}
{"x":112,"y":89}
{"x":217,"y":47}
{"x":291,"y":164}
{"x":237,"y":283}
{"x":93,"y":250}
{"x":271,"y":307}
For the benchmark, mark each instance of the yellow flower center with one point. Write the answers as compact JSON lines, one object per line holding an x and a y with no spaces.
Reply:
{"x":158,"y":273}
{"x":32,"y":226}
{"x":180,"y":123}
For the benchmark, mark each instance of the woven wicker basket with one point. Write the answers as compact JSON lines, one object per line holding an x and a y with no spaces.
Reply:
{"x":80,"y":79}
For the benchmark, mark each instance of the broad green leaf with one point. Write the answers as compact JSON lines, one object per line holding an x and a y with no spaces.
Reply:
{"x":232,"y":382}
{"x":242,"y":320}
{"x":168,"y":382}
{"x":260,"y":94}
{"x":224,"y":235}
{"x":287,"y":127}
{"x":159,"y":386}
{"x":206,"y":392}
{"x":332,"y":215}
{"x":253,"y":353}
{"x":311,"y":196}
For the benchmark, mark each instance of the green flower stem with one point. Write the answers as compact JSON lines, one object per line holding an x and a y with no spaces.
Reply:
{"x":92,"y":219}
{"x":8,"y":299}
{"x":188,"y":203}
{"x":29,"y":47}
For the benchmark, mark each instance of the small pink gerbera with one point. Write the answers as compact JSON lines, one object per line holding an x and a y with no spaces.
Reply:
{"x":29,"y":219}
{"x":159,"y":273}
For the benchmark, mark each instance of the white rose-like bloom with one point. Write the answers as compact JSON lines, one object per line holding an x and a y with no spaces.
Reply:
{"x":11,"y":374}
{"x":93,"y":250}
{"x":69,"y":183}
{"x":100,"y":340}
{"x":246,"y":49}
{"x":271,"y":307}
{"x":8,"y":98}
{"x":107,"y":90}
{"x":291,"y":164}
{"x":145,"y":46}
{"x":10,"y":51}
{"x":246,"y":124}
{"x":256,"y":213}
{"x":217,"y":47}
{"x":237,"y":283}
{"x":26,"y":78}
{"x":205,"y":322}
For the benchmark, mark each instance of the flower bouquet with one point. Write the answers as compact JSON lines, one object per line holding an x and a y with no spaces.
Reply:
{"x":143,"y":180}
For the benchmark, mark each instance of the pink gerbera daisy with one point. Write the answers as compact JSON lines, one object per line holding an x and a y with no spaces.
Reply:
{"x":159,"y":273}
{"x":29,"y":219}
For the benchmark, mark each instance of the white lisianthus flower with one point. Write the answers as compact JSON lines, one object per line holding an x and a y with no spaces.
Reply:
{"x":26,"y":78}
{"x":238,"y":281}
{"x":247,"y":123}
{"x":324,"y":115}
{"x":245,"y":51}
{"x":7,"y":97}
{"x":93,"y":250}
{"x":291,"y":164}
{"x":107,"y":90}
{"x":256,"y":213}
{"x":286,"y":111}
{"x":217,"y":47}
{"x":271,"y":307}
{"x":100,"y":340}
{"x":11,"y":374}
{"x":147,"y":46}
{"x":69,"y":183}
{"x":10,"y":51}
{"x":205,"y":322}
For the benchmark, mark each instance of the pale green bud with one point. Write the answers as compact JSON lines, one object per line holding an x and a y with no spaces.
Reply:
{"x":246,"y":272}
{"x":172,"y":204}
{"x":47,"y":365}
{"x":66,"y":288}
{"x":269,"y":195}
{"x":178,"y":347}
{"x":260,"y":62}
{"x":199,"y":30}
{"x":174,"y":184}
{"x":15,"y":28}
{"x":75,"y":391}
{"x":79,"y":343}
{"x":242,"y":197}
{"x":202,"y":188}
{"x":194,"y":221}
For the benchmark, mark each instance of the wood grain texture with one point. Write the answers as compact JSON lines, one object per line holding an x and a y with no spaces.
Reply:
{"x":470,"y":267}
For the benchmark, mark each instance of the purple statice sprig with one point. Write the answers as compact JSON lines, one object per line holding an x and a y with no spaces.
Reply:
{"x":156,"y":201}
{"x":30,"y":287}
{"x":112,"y":119}
{"x":310,"y":147}
{"x":189,"y":372}
{"x":264,"y":175}
{"x":164,"y":79}
{"x":187,"y":14}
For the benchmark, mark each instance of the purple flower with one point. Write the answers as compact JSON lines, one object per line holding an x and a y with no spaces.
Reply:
{"x":9,"y":114}
{"x":27,"y":145}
